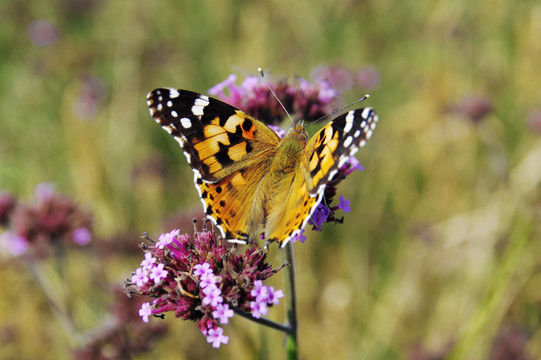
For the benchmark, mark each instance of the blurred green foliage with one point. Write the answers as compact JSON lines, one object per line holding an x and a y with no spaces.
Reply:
{"x":441,"y":254}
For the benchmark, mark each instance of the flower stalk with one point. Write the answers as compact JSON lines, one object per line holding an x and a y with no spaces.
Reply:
{"x":291,"y":339}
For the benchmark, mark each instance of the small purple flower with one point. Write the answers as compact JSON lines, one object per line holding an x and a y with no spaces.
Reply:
{"x":167,"y":238}
{"x":319,"y":216}
{"x":140,"y":277}
{"x":259,"y":308}
{"x":145,"y":311}
{"x":278,"y":130}
{"x":344,"y":204}
{"x":326,"y":93}
{"x":44,"y":191}
{"x":223,"y":313}
{"x":81,"y":236}
{"x":218,"y":89}
{"x":202,"y":269}
{"x":258,"y":288}
{"x":207,"y":280}
{"x":274,"y":296}
{"x":216,"y":337}
{"x":300,"y":237}
{"x":213,"y":297}
{"x":351,"y":165}
{"x":157,"y":273}
{"x":149,"y":261}
{"x":16,"y":245}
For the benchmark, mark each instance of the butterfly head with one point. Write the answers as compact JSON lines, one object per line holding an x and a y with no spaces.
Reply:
{"x":298,"y":131}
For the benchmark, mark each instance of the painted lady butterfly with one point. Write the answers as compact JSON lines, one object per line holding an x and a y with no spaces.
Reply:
{"x":247,"y":177}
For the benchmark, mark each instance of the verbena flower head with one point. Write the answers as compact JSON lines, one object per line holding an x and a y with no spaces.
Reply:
{"x":50,"y":220}
{"x":302,"y":99}
{"x":199,"y":278}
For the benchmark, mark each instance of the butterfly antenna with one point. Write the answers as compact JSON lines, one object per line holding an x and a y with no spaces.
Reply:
{"x":276,"y":97}
{"x":339,"y":110}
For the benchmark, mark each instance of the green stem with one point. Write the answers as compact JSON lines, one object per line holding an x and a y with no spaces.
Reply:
{"x":51,"y":295}
{"x":291,"y":339}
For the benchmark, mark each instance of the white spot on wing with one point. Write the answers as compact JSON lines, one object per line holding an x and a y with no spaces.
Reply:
{"x":348,"y":141}
{"x":236,"y":241}
{"x":186,"y":123}
{"x":366,"y":112}
{"x":173,"y":93}
{"x":188,"y":157}
{"x":349,"y":121}
{"x":332,"y":174}
{"x":174,"y":113}
{"x":199,"y":105}
{"x":357,"y":133}
{"x":369,"y":134}
{"x":169,"y":103}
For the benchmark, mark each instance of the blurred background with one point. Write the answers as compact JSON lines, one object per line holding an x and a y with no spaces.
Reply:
{"x":440,"y":256}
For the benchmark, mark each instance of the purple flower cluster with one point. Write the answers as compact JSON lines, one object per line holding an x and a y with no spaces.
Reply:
{"x":264,"y":296}
{"x":200,"y":279}
{"x":50,"y":220}
{"x":325,"y":211}
{"x":303,"y":99}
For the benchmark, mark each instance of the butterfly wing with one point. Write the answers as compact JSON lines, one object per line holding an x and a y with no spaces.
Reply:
{"x":329,"y":149}
{"x":326,"y":152}
{"x":227,"y":150}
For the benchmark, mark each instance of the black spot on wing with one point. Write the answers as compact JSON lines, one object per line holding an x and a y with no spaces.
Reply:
{"x":316,"y":169}
{"x":247,"y":124}
{"x":222,"y":155}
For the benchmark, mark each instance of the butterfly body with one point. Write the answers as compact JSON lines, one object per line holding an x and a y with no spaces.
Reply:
{"x":249,"y":180}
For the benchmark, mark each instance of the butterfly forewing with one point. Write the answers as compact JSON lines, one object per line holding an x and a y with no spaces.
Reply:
{"x":217,"y":138}
{"x":227,"y":150}
{"x":331,"y":146}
